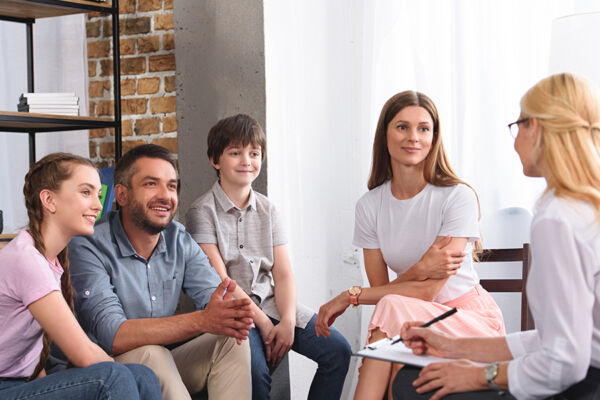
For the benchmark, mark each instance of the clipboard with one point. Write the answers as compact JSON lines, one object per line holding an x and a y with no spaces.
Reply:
{"x":399,"y":353}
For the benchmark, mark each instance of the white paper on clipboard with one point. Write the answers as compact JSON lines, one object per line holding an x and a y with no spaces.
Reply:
{"x":399,"y":353}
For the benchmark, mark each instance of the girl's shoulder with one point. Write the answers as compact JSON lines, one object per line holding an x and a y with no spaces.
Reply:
{"x":21,"y":247}
{"x":20,"y":260}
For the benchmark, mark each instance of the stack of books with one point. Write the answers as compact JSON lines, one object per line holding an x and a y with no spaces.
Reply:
{"x":49,"y":103}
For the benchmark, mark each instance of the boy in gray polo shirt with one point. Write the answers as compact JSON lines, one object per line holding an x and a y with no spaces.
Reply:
{"x":241,"y":233}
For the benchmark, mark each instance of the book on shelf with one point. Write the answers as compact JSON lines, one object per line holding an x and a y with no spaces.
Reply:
{"x":54,"y":112}
{"x":58,"y":107}
{"x":48,"y":94}
{"x":48,"y":98}
{"x":49,"y":103}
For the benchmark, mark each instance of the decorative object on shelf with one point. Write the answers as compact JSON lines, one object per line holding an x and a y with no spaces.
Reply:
{"x":49,"y":103}
{"x":107,"y":194}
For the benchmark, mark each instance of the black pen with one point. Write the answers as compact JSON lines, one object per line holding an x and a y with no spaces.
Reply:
{"x":398,"y":338}
{"x":428,"y":324}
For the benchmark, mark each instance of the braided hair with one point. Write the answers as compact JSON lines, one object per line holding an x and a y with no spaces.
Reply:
{"x":49,"y":173}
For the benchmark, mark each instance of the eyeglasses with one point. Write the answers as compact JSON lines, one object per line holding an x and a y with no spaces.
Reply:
{"x":513,"y":127}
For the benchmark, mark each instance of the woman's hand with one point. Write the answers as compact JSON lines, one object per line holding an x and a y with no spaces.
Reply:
{"x":439,"y":262}
{"x":329,"y":312}
{"x":428,"y":340}
{"x":451,"y":377}
{"x":280,"y":340}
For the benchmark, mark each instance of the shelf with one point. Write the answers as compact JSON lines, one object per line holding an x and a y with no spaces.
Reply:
{"x":26,"y":12}
{"x":5,"y":238}
{"x":32,"y":9}
{"x":27,"y":122}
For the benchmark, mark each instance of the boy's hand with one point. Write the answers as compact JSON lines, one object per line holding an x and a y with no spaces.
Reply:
{"x":280,"y":340}
{"x":264,"y":328}
{"x":225,"y":316}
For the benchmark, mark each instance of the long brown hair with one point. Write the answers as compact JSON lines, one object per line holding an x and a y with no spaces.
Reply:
{"x":437,"y":169}
{"x":49,"y":173}
{"x":568,"y":112}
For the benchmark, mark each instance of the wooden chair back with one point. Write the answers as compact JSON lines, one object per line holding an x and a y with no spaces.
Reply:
{"x":510,"y":285}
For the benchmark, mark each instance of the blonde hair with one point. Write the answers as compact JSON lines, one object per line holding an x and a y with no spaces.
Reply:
{"x":568,"y":113}
{"x":437,"y":169}
{"x":49,"y":173}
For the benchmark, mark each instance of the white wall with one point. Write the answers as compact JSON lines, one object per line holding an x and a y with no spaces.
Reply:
{"x":317,"y":163}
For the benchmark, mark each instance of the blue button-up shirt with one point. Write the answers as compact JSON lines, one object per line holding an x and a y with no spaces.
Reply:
{"x":112,"y":283}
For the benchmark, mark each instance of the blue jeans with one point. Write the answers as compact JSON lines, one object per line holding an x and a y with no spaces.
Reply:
{"x":332,"y":355}
{"x":106,"y":380}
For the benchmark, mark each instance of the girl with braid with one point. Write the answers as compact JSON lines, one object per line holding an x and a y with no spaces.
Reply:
{"x":36,"y":303}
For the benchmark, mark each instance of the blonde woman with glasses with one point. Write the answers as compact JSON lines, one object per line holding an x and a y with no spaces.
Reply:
{"x":558,"y":139}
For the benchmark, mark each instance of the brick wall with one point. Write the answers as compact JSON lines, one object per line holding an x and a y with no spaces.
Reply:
{"x":147,"y":49}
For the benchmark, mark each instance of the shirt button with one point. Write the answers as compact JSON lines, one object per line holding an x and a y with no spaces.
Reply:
{"x":251,"y":261}
{"x":148,"y":265}
{"x":153,"y":298}
{"x":240,"y":220}
{"x":87,"y":292}
{"x":241,"y":246}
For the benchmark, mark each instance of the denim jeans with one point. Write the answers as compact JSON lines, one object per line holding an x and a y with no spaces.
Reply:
{"x":106,"y":380}
{"x":332,"y":355}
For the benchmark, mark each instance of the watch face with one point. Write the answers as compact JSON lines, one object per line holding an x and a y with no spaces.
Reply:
{"x":491,"y":371}
{"x":354,"y":290}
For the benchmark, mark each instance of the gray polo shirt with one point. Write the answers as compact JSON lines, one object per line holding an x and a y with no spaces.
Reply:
{"x":245,"y":239}
{"x":112,"y":283}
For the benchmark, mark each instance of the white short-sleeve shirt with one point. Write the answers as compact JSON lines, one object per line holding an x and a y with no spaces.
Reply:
{"x":404,"y":229}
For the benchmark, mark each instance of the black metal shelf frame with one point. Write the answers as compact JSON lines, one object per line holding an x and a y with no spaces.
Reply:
{"x":65,"y":124}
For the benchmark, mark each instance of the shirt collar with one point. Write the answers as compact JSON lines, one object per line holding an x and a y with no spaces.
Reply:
{"x":123,"y":242}
{"x":226,"y":204}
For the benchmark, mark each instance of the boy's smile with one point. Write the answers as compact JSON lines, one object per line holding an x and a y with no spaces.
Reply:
{"x":239,"y":165}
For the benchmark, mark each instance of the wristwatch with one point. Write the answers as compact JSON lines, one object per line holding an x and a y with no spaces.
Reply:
{"x":491,"y":371}
{"x":354,"y":292}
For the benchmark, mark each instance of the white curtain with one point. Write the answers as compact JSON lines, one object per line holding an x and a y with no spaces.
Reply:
{"x":60,"y":65}
{"x":330,"y":66}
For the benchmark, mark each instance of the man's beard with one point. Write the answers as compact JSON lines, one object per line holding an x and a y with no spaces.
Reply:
{"x":141,"y":220}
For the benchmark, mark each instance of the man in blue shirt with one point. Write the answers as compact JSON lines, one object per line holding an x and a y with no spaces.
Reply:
{"x":127,"y":278}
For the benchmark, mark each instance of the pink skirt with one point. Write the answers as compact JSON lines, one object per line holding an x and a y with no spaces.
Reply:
{"x":478,"y":314}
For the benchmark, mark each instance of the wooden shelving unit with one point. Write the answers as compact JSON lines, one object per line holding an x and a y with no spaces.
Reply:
{"x":26,"y":12}
{"x":5,"y":238}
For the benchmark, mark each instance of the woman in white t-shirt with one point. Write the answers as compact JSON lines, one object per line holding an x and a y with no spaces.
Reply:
{"x":558,"y":139}
{"x":420,"y":220}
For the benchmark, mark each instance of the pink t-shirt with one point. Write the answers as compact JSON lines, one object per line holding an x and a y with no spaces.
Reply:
{"x":25,"y":276}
